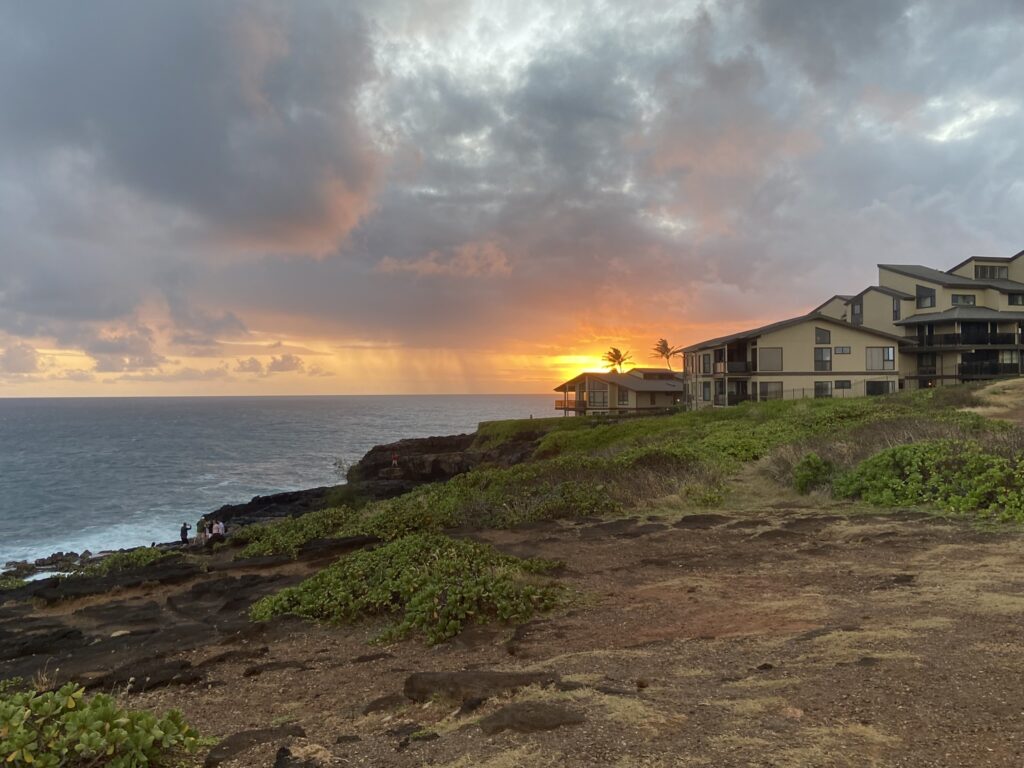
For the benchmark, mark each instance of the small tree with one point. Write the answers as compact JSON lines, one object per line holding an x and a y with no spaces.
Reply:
{"x":616,"y":358}
{"x":665,"y":350}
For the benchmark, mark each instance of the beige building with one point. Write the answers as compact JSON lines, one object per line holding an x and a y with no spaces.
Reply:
{"x":919,"y":327}
{"x":813,"y":355}
{"x":637,"y":390}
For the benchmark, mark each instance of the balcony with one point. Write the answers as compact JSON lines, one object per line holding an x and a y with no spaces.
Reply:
{"x":926,"y":370}
{"x":966,"y":340}
{"x":737,"y":366}
{"x":570,"y":405}
{"x":988,"y":368}
{"x":731,"y":399}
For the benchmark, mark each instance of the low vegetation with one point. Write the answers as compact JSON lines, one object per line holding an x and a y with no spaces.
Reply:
{"x":122,"y":561}
{"x":431,"y":584}
{"x":67,"y":729}
{"x":956,"y":475}
{"x":914,"y":448}
{"x":10,"y":582}
{"x":287,"y":536}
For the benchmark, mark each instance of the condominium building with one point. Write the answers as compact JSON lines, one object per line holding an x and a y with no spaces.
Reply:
{"x":919,"y":327}
{"x":637,"y":390}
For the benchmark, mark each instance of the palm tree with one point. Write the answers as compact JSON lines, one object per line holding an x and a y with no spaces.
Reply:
{"x":667,"y":351}
{"x":616,"y":358}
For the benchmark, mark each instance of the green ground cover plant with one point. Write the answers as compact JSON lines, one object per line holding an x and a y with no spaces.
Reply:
{"x":288,"y":535}
{"x":10,"y":582}
{"x":957,"y":475}
{"x":120,"y":561}
{"x":430,"y":583}
{"x":68,"y":729}
{"x":812,"y":472}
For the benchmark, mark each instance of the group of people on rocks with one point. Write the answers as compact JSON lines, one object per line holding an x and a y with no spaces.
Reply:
{"x":205,"y":530}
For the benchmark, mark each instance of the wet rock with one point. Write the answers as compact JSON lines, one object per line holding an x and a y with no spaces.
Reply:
{"x":364,"y":659}
{"x":530,"y":717}
{"x":238,"y":743}
{"x":471,"y":684}
{"x":240,"y":654}
{"x":275,"y":506}
{"x":274,"y":666}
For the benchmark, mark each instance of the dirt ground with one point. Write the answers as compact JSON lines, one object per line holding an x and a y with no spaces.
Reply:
{"x":777,"y":631}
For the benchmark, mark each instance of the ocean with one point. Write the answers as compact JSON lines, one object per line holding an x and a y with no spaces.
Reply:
{"x":108,"y":473}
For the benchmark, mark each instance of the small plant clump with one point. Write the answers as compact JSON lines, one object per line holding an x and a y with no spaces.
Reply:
{"x":122,"y":561}
{"x":812,"y":472}
{"x":435,"y":585}
{"x":10,"y":582}
{"x":957,"y":475}
{"x":65,"y":728}
{"x":287,"y":536}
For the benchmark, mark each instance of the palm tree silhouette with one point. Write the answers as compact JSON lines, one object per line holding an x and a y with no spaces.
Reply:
{"x":667,"y":351}
{"x":616,"y":358}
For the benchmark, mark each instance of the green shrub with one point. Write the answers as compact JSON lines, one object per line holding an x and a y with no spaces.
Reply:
{"x":434,"y":585}
{"x":957,"y":475}
{"x":812,"y":472}
{"x":10,"y":582}
{"x":121,"y":561}
{"x":64,"y":728}
{"x":288,"y":535}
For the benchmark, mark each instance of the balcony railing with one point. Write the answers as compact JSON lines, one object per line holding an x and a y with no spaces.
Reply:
{"x":967,"y":339}
{"x":570,"y":405}
{"x":987,"y":368}
{"x":926,"y":370}
{"x":737,"y":366}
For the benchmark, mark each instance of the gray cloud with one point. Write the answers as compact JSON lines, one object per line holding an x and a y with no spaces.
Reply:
{"x":616,"y":172}
{"x":19,"y":358}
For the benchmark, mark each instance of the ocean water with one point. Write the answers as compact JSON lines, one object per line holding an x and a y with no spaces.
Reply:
{"x":107,"y":473}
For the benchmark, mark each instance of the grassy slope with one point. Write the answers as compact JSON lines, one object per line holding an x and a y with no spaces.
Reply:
{"x":586,"y":466}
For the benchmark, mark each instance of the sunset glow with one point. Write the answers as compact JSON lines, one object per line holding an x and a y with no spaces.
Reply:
{"x":349,"y":197}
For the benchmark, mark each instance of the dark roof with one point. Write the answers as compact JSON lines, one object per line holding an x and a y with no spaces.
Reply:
{"x":651,"y":370}
{"x":882,"y":289}
{"x":634,"y":383}
{"x":960,"y":313}
{"x":754,"y":332}
{"x":1000,"y":259}
{"x":947,"y":280}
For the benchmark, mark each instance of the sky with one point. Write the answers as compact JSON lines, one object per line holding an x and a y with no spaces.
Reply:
{"x":344,"y":197}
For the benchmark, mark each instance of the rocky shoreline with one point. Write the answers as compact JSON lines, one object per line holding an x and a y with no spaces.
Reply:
{"x":419,"y":461}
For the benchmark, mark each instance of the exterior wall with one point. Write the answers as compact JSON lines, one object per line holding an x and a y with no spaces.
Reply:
{"x":797,"y":342}
{"x":835,"y":307}
{"x":1015,"y":268}
{"x":943,"y":296}
{"x":877,"y":312}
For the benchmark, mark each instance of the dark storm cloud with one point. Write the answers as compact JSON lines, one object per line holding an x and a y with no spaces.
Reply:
{"x":495,"y":176}
{"x":240,"y":114}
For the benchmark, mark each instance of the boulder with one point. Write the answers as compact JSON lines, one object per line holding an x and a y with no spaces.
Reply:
{"x":238,"y":743}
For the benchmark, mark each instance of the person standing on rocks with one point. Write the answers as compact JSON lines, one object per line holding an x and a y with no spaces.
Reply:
{"x":185,"y":528}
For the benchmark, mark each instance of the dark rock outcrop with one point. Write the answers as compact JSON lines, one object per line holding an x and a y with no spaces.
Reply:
{"x":262,"y":508}
{"x":238,"y":743}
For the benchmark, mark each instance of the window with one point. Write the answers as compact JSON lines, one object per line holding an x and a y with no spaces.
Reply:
{"x":963,"y":300}
{"x":881,"y":358}
{"x":823,"y":389}
{"x":895,"y":309}
{"x":844,"y":384}
{"x":705,"y":366}
{"x":822,"y":359}
{"x":770,"y":390}
{"x":623,"y":396}
{"x":705,"y":390}
{"x":822,"y":336}
{"x":925,"y":297}
{"x":652,"y":399}
{"x":1009,"y":357}
{"x":1016,"y":299}
{"x":769,"y":358}
{"x":857,"y":310}
{"x":842,"y":350}
{"x":991,"y":272}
